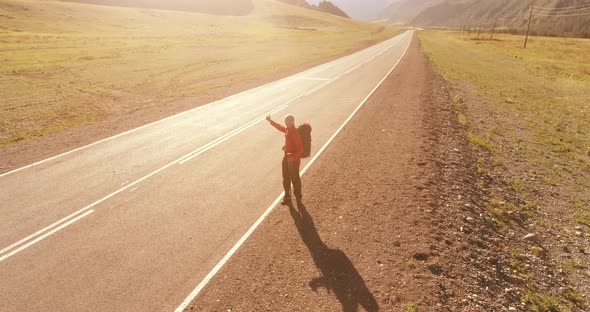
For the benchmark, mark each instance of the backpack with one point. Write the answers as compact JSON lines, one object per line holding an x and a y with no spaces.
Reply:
{"x":305,"y":133}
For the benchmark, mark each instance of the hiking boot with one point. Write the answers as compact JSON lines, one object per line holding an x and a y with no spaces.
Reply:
{"x":286,"y":200}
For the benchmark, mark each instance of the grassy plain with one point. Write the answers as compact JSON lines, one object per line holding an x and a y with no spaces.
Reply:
{"x":67,"y":64}
{"x":529,"y":111}
{"x":544,"y":89}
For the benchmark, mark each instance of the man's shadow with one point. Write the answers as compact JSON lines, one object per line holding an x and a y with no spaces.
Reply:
{"x":338,"y":274}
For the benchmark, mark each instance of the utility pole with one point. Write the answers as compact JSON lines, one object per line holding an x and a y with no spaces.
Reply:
{"x":526,"y":39}
{"x":464,"y":24}
{"x":479,"y":28}
{"x":494,"y":29}
{"x":469,"y":30}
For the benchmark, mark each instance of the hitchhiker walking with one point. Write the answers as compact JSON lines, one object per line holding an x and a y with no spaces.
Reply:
{"x":293,"y":150}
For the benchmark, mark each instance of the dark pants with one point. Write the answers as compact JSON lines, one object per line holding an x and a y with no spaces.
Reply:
{"x":291,"y":175}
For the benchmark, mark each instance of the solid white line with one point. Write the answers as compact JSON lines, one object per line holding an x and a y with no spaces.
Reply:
{"x":241,"y":241}
{"x":12,"y":253}
{"x":231,"y":252}
{"x":354,"y":112}
{"x":126,"y":187}
{"x":295,"y":76}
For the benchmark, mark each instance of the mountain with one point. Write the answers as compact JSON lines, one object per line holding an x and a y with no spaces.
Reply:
{"x":330,"y":8}
{"x":217,"y":7}
{"x":507,"y":14}
{"x":323,"y":6}
{"x":367,"y":10}
{"x":404,"y":11}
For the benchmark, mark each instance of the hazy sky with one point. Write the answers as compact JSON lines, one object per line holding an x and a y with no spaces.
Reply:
{"x":360,"y":9}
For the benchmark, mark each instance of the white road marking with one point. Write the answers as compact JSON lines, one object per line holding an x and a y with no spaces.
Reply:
{"x":295,"y":76}
{"x":311,"y":78}
{"x":183,"y":159}
{"x":196,"y":153}
{"x":241,"y":241}
{"x":225,"y":137}
{"x":126,"y":187}
{"x":329,"y":81}
{"x":12,"y":253}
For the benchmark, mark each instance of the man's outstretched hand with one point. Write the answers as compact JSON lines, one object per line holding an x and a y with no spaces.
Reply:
{"x":268,"y":118}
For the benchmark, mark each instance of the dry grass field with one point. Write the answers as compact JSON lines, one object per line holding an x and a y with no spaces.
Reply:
{"x":67,"y":64}
{"x":528,"y":112}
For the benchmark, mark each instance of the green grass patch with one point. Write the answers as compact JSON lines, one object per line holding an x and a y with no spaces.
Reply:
{"x":573,"y":295}
{"x":462,"y":119}
{"x":571,"y":266}
{"x":411,"y":263}
{"x":501,"y":211}
{"x":539,"y":302}
{"x":410,"y":308}
{"x":481,"y":142}
{"x":583,"y":219}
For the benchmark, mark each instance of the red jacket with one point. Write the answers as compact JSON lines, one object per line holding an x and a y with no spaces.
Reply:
{"x":293,"y":142}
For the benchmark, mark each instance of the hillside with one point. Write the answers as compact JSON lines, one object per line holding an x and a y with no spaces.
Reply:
{"x":323,"y":6}
{"x":110,"y":68}
{"x":367,"y":10}
{"x":330,"y":8}
{"x":551,"y":17}
{"x":404,"y":11}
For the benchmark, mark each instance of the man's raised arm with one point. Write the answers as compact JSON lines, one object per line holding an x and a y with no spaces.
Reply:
{"x":276,"y":125}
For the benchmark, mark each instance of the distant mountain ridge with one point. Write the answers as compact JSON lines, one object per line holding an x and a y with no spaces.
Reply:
{"x":404,"y":11}
{"x":323,"y":6}
{"x":510,"y":14}
{"x":367,"y":10}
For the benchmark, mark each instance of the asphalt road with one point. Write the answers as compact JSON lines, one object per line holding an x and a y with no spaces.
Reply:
{"x":135,"y":222}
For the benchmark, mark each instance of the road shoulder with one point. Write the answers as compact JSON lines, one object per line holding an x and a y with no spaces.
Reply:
{"x":377,"y":229}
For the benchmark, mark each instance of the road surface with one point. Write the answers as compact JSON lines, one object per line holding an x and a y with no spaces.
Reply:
{"x":135,"y":222}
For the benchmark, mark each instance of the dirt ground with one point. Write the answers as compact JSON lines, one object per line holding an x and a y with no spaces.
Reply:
{"x":394,"y":223}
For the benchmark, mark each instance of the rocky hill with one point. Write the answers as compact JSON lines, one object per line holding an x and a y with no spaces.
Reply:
{"x":366,"y":10}
{"x":323,"y":6}
{"x":404,"y":11}
{"x":551,"y":17}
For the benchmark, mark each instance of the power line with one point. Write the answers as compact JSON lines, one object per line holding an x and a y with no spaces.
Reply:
{"x":572,"y":7}
{"x":564,"y":11}
{"x":560,"y":15}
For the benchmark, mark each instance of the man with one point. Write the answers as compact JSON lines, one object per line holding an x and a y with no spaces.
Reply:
{"x":292,"y":159}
